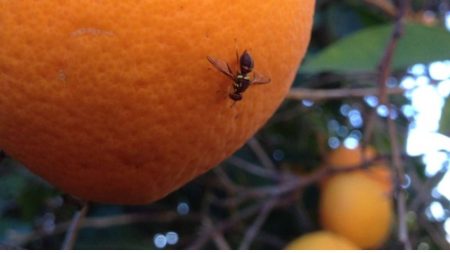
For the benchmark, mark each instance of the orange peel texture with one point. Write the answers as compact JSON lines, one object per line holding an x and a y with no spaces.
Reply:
{"x":114,"y":101}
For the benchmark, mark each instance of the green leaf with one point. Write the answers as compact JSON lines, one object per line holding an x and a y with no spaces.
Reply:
{"x":361,"y":51}
{"x":11,"y":186}
{"x":444,"y":125}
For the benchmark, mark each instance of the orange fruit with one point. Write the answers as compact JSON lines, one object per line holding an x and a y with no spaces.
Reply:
{"x":342,"y":157}
{"x":115,"y":101}
{"x":358,"y":208}
{"x":381,"y":174}
{"x":321,"y":240}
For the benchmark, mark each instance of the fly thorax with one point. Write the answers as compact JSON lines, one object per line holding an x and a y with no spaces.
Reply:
{"x":239,"y":79}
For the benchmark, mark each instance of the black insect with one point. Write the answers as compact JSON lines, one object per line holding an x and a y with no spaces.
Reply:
{"x":242,"y":79}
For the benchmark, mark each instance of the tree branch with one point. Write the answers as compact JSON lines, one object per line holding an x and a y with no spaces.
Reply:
{"x":72,"y":232}
{"x":383,"y":75}
{"x":253,"y":230}
{"x":99,"y":223}
{"x":326,"y":94}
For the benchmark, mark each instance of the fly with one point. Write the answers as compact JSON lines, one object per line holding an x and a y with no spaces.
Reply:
{"x":244,"y":77}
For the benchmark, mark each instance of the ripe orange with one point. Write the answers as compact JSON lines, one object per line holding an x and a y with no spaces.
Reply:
{"x":321,"y":240}
{"x":358,"y":208}
{"x":381,"y":174}
{"x":114,"y":101}
{"x":343,"y":158}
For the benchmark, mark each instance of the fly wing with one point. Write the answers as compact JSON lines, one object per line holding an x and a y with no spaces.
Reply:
{"x":260,"y":79}
{"x":221,"y":66}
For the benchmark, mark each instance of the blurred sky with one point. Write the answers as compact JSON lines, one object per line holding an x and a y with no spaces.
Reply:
{"x":427,"y":102}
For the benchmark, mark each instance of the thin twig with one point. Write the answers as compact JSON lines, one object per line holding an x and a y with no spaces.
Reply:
{"x":230,"y":202}
{"x":252,"y":232}
{"x":423,"y":188}
{"x":102,"y":222}
{"x":437,"y":234}
{"x":207,"y":232}
{"x":384,"y":67}
{"x":384,"y":73}
{"x":303,"y":218}
{"x":293,"y":182}
{"x":326,"y":94}
{"x":72,"y":232}
{"x":253,"y":169}
{"x":229,"y":185}
{"x":262,"y":155}
{"x":217,"y":236}
{"x":369,"y":127}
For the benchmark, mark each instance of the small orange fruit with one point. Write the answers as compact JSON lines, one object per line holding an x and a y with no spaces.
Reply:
{"x":115,"y":101}
{"x":381,"y":174}
{"x":343,"y":157}
{"x":356,"y":207}
{"x":321,"y":240}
